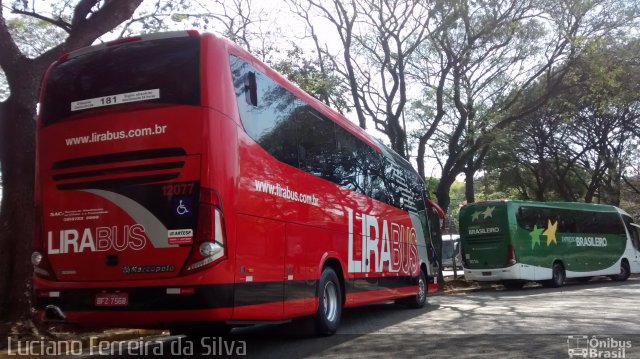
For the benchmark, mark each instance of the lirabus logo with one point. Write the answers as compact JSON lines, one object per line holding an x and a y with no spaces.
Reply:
{"x":96,"y":239}
{"x":392,"y":246}
{"x":583,"y":346}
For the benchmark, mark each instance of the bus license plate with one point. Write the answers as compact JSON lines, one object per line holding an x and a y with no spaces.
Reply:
{"x":486,"y":274}
{"x":112,"y":299}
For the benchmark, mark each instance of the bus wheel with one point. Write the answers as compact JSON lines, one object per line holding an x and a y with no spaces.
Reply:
{"x":557,"y":276}
{"x":624,"y":272}
{"x":330,"y":306}
{"x":418,"y":300}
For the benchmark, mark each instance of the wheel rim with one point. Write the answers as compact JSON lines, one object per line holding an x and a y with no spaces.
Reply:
{"x":558,"y":275}
{"x":330,"y":301}
{"x":623,"y":270}
{"x":422,"y":293}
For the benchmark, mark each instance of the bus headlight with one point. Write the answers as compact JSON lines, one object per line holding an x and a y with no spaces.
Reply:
{"x":36,"y":258}
{"x":209,"y":249}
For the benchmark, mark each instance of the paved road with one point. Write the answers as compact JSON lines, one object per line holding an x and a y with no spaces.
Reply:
{"x":530,"y":323}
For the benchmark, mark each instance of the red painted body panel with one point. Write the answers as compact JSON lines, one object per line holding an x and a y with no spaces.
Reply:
{"x":370,"y":297}
{"x":79,"y":211}
{"x":279,"y":242}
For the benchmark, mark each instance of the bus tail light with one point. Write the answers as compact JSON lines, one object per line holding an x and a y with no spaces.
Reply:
{"x":511,"y":256}
{"x":209,"y":245}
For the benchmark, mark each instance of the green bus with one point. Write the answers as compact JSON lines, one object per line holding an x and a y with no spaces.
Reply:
{"x":518,"y":241}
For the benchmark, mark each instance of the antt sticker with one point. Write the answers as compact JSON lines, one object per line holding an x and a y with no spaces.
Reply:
{"x":180,"y":236}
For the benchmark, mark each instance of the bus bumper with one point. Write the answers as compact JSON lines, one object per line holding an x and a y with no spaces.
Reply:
{"x":515,"y":272}
{"x":135,"y":307}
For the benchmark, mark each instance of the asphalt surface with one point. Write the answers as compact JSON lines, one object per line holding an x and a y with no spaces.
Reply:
{"x":598,"y":319}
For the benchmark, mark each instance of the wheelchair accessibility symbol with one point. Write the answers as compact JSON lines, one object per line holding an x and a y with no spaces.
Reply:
{"x":182,"y":207}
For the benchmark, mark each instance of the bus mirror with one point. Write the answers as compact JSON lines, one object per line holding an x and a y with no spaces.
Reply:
{"x":251,"y":89}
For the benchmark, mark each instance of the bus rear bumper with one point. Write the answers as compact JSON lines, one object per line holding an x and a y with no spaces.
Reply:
{"x":515,"y":272}
{"x":135,"y":307}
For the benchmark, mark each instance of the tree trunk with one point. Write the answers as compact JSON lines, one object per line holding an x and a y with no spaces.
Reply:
{"x":17,"y":155}
{"x":540,"y":188}
{"x":469,"y":189}
{"x":442,"y":192}
{"x":612,"y":187}
{"x":17,"y":148}
{"x":397,"y":136}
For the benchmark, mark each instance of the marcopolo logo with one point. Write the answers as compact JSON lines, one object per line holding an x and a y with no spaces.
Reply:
{"x":583,"y":346}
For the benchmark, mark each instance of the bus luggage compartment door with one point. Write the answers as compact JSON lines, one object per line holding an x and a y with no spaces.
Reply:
{"x":259,"y":270}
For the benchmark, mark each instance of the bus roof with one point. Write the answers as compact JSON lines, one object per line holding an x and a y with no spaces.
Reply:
{"x":566,"y":205}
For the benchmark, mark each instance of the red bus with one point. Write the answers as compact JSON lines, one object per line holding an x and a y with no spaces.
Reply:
{"x":182,"y":183}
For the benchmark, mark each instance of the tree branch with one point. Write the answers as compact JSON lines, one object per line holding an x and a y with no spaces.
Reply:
{"x":11,"y":58}
{"x":87,"y":26}
{"x":56,"y":22}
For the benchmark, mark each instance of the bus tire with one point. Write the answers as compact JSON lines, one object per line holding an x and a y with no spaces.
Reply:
{"x":327,"y":319}
{"x":558,"y":275}
{"x":625,"y":271}
{"x":420,"y":299}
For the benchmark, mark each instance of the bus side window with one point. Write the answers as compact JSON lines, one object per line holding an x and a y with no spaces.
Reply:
{"x":527,"y":217}
{"x":635,"y":237}
{"x":634,"y":232}
{"x":271,"y":123}
{"x":316,"y":143}
{"x":349,"y":170}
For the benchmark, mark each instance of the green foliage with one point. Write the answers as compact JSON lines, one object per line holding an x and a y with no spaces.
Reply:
{"x":579,"y":145}
{"x":308,"y":75}
{"x":456,"y":193}
{"x":34,"y":36}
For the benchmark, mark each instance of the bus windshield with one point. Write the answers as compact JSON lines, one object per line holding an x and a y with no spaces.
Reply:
{"x":125,"y":73}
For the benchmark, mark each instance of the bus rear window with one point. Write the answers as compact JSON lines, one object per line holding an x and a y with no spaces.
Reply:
{"x":163,"y":71}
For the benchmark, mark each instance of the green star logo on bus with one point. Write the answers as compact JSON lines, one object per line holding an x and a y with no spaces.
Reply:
{"x":535,"y":236}
{"x":550,"y":232}
{"x":488,"y":212}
